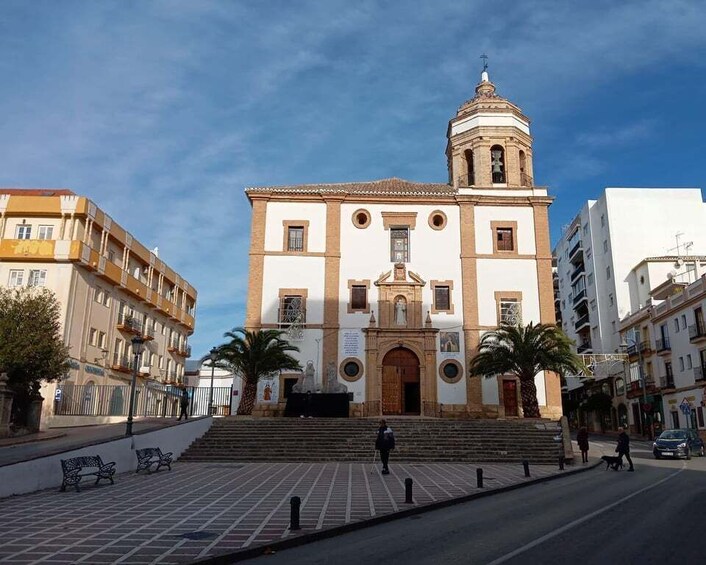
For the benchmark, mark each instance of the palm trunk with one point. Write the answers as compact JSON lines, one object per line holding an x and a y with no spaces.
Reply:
{"x":528,"y":392}
{"x":247,"y":403}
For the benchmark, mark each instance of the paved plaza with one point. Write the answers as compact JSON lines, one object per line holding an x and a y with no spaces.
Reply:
{"x":205,"y":509}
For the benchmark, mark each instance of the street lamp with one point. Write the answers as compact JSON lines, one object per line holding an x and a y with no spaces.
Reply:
{"x":624,"y":345}
{"x":137,"y":343}
{"x":213,"y":355}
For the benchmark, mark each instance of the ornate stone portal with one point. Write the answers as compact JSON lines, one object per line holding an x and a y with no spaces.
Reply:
{"x":391,"y":383}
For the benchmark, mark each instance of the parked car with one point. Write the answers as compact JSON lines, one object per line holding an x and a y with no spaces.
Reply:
{"x":678,"y":443}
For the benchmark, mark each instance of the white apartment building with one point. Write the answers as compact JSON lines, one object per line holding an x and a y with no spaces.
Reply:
{"x":388,"y":285}
{"x":604,"y":243}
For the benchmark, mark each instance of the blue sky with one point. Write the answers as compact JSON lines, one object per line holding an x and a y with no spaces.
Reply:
{"x":162,"y":112}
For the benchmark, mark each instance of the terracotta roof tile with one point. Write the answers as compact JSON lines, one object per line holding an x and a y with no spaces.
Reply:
{"x":37,"y":191}
{"x":391,"y":186}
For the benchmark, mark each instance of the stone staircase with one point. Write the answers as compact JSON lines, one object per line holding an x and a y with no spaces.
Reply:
{"x":418,"y":440}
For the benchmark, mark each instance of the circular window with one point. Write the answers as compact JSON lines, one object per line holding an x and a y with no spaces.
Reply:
{"x":361,"y":218}
{"x":351,"y":369}
{"x":437,"y":220}
{"x":450,"y":371}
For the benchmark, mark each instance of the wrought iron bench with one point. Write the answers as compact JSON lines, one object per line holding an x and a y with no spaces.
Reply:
{"x":91,"y":465}
{"x":146,"y":457}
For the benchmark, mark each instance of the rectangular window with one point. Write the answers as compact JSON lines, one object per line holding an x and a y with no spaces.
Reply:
{"x":602,"y":221}
{"x":688,"y":361}
{"x":700,"y":416}
{"x":37,"y":277}
{"x":607,"y":272}
{"x":681,"y":364}
{"x":161,"y":362}
{"x":442,"y":298}
{"x":683,"y":321}
{"x":292,"y":310}
{"x":510,"y":311}
{"x":359,"y":297}
{"x":23,"y":232}
{"x":605,"y":246}
{"x":101,"y":340}
{"x":676,"y":325}
{"x":399,"y":245}
{"x":590,"y":279}
{"x":295,"y":238}
{"x":17,"y":277}
{"x":505,"y":239}
{"x":93,"y":336}
{"x":46,"y":232}
{"x":610,"y":299}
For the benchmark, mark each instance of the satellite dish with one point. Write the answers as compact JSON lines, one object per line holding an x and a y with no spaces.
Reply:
{"x":679,"y":263}
{"x":671,"y":275}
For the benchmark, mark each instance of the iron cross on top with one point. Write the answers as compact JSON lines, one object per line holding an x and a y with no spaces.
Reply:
{"x":485,"y":61}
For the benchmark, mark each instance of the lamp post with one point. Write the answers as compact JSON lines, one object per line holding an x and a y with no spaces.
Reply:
{"x":213,"y":355}
{"x":624,"y":345}
{"x":137,"y":343}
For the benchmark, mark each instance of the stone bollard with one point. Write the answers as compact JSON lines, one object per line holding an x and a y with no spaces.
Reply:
{"x":525,"y":464}
{"x":479,"y":477}
{"x":6,"y":396}
{"x":296,"y":503}
{"x":561,"y":462}
{"x":408,"y":491}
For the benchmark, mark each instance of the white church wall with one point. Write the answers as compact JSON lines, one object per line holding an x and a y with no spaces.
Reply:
{"x":484,"y":215}
{"x":293,"y":272}
{"x":491,"y":395}
{"x":277,"y":212}
{"x":512,"y":275}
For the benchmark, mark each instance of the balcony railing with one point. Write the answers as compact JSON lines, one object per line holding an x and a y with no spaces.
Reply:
{"x":129,"y":324}
{"x":582,"y":321}
{"x":148,"y":332}
{"x":467,"y":180}
{"x":641,"y":347}
{"x":663,"y":344}
{"x":586,"y":346}
{"x":667,"y":381}
{"x":526,"y":180}
{"x":122,"y":363}
{"x":575,"y":249}
{"x":697,"y":332}
{"x":581,"y":295}
{"x":580,"y":270}
{"x":699,"y":373}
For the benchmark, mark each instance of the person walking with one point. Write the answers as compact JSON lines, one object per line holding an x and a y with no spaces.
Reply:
{"x":184,"y":405}
{"x":385,"y":443}
{"x":582,"y":440}
{"x":623,"y":447}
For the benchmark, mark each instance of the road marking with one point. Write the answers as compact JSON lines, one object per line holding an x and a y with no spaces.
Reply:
{"x":580,"y":521}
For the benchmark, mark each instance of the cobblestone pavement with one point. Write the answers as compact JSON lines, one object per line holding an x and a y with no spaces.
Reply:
{"x":205,"y":509}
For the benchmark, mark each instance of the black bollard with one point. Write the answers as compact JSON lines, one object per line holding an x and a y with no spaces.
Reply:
{"x":525,"y":464}
{"x":561,"y":463}
{"x":408,"y":491}
{"x":479,"y":477}
{"x":296,"y":502}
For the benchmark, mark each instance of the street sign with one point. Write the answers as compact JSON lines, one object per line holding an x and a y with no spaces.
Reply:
{"x":57,"y":395}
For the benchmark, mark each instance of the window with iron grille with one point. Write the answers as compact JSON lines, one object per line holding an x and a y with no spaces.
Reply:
{"x":442,"y":298}
{"x":295,"y":238}
{"x":399,"y":245}
{"x":359,"y":297}
{"x":506,"y":241}
{"x":291,"y":310}
{"x":510,"y":312}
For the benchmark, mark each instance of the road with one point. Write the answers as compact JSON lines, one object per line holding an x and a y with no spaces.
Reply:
{"x":650,"y":516}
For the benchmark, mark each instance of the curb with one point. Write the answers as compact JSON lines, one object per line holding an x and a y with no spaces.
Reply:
{"x":20,"y":440}
{"x":303,"y":539}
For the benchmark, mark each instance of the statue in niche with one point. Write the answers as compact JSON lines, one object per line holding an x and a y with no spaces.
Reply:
{"x":332,"y":385}
{"x":307,"y":383}
{"x":400,"y":311}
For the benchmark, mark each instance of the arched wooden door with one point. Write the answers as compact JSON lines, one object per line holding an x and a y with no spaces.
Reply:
{"x":400,"y":382}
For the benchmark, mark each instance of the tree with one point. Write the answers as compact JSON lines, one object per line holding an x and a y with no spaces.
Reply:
{"x":31,"y":348}
{"x":255,"y":355}
{"x":524,"y":352}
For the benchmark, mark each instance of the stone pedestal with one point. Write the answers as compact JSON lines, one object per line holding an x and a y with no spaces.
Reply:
{"x":6,"y":396}
{"x":34,"y":414}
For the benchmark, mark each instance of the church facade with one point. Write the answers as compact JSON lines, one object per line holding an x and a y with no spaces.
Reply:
{"x":387,"y":286}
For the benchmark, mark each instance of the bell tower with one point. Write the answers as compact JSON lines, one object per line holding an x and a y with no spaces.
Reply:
{"x":489,"y":143}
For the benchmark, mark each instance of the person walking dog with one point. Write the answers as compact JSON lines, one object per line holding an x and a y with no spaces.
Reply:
{"x":623,"y":447}
{"x":582,"y":440}
{"x":385,"y":443}
{"x":184,"y":405}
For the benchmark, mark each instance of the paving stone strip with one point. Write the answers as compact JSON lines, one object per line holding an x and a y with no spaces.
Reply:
{"x":206,"y":509}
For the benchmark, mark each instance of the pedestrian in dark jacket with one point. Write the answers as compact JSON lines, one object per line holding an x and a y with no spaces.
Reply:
{"x":184,"y":405}
{"x":582,"y":440}
{"x":385,"y":442}
{"x":623,"y":447}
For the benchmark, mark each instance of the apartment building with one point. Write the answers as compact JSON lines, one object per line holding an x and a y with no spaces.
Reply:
{"x":109,"y":285}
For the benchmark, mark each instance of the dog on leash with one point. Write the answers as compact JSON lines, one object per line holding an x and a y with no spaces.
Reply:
{"x":614,"y":463}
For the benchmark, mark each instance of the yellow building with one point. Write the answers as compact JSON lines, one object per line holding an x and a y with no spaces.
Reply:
{"x":109,"y":285}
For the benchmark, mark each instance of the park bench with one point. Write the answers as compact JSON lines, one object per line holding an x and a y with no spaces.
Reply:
{"x":146,"y":457}
{"x":89,"y":466}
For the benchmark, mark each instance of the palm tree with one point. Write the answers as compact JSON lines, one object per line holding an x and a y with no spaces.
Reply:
{"x":254,"y":355}
{"x":524,"y":352}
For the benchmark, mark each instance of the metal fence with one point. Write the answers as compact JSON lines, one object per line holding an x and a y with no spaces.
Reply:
{"x":150,"y":400}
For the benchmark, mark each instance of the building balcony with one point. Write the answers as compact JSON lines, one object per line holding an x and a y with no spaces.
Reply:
{"x":637,"y":348}
{"x":580,"y":297}
{"x":585,"y":347}
{"x":582,"y":322}
{"x":697,"y":332}
{"x":122,"y":363}
{"x":667,"y":381}
{"x":467,"y":180}
{"x":148,"y":332}
{"x":577,"y":272}
{"x":576,"y":251}
{"x":663,"y":346}
{"x":128,"y":324}
{"x":700,"y":373}
{"x":184,"y":351}
{"x":634,"y":388}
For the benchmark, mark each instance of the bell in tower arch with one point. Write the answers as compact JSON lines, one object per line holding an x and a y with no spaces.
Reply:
{"x":497,"y":164}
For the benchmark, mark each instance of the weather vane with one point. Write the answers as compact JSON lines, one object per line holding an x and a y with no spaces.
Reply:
{"x":485,"y":61}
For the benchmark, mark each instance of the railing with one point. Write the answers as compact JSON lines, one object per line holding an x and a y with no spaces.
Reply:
{"x":638,"y":347}
{"x":289,"y":316}
{"x":584,"y":347}
{"x":127,"y":323}
{"x":467,"y":180}
{"x":151,"y":400}
{"x":526,"y":180}
{"x":696,"y":331}
{"x":578,"y":271}
{"x":582,"y":321}
{"x":580,"y":296}
{"x":699,"y":373}
{"x":148,"y":332}
{"x":575,"y":249}
{"x":663,"y":344}
{"x":667,"y":381}
{"x":122,"y":363}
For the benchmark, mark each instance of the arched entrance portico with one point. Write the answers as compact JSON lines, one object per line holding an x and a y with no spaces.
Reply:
{"x":401,"y":392}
